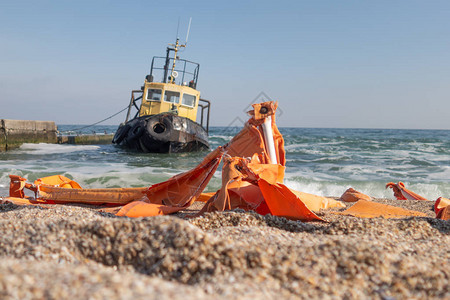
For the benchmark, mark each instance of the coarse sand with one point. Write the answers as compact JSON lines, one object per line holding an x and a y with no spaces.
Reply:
{"x":73,"y":252}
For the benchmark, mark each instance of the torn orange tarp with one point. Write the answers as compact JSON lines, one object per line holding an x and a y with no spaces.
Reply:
{"x":316,"y":203}
{"x":370,"y":209}
{"x":442,"y":208}
{"x":109,"y":196}
{"x":58,"y":189}
{"x":284,"y":203}
{"x":252,"y":186}
{"x":57,"y":181}
{"x":352,"y":195}
{"x":140,"y":208}
{"x":182,"y":190}
{"x":17,"y":185}
{"x":178,"y":192}
{"x":402,"y":193}
{"x":249,"y":141}
{"x":235,"y":191}
{"x":22,"y":201}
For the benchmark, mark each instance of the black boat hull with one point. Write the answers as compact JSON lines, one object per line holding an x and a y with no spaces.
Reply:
{"x":162,"y":133}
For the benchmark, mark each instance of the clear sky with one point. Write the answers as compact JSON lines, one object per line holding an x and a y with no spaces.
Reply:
{"x":329,"y":63}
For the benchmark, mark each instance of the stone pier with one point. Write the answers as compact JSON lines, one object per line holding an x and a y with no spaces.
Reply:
{"x":13,"y":133}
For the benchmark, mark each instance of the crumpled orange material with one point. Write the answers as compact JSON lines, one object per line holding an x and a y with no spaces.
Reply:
{"x":57,"y":181}
{"x":248,"y":182}
{"x":58,"y":189}
{"x":442,"y":208}
{"x":249,"y":141}
{"x":176,"y":193}
{"x":352,"y":195}
{"x":16,"y":186}
{"x":137,"y":209}
{"x":316,"y":203}
{"x":370,"y":209}
{"x":402,"y":193}
{"x":250,"y":185}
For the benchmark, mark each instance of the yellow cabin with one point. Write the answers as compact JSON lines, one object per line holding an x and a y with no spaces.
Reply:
{"x":168,"y":97}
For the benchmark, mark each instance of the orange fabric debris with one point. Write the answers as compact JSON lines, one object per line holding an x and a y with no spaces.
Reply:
{"x":444,"y":214}
{"x":284,"y":203}
{"x":22,"y":201}
{"x":248,"y":182}
{"x":249,"y":185}
{"x":370,"y":209}
{"x":143,"y":209}
{"x":352,"y":195}
{"x":204,"y":197}
{"x":316,"y":203}
{"x":16,"y":186}
{"x":59,"y":189}
{"x":57,"y":181}
{"x":108,"y":196}
{"x":183,"y":189}
{"x":236,"y":192}
{"x":402,"y":193}
{"x":442,"y":208}
{"x":249,"y":141}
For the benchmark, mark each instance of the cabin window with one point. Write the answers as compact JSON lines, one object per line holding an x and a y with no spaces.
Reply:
{"x":188,"y":100}
{"x":172,"y":97}
{"x":154,"y":95}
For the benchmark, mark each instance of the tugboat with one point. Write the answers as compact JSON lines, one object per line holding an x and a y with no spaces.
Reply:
{"x":166,"y":116}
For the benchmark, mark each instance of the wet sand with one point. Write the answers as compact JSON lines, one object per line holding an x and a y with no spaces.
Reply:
{"x":79,"y":253}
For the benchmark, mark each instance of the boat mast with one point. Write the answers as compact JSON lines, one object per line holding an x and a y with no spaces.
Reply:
{"x":175,"y":48}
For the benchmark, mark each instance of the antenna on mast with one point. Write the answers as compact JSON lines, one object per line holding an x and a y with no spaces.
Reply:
{"x":176,"y":47}
{"x":178,"y":27}
{"x":189,"y":28}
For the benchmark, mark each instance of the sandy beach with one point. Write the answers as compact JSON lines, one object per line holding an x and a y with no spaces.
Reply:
{"x":78,"y":253}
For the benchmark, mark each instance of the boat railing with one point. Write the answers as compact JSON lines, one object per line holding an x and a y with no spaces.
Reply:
{"x":186,"y":71}
{"x":204,"y":105}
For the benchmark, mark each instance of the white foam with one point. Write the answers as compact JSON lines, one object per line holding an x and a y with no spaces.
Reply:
{"x":43,"y":148}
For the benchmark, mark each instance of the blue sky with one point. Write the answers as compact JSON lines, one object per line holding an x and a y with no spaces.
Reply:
{"x":369,"y":64}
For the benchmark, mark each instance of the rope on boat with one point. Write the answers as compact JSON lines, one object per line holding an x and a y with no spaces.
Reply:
{"x":87,"y":126}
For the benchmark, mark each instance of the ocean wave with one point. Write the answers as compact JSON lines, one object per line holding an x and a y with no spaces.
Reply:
{"x":42,"y":148}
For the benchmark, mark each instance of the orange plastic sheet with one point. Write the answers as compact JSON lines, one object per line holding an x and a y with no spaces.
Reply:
{"x":352,"y":195}
{"x":237,"y":192}
{"x":58,"y":189}
{"x":57,"y":181}
{"x":17,"y":185}
{"x":143,"y":209}
{"x":402,"y":193}
{"x":107,"y":196}
{"x":370,"y":209}
{"x":22,"y":201}
{"x":250,"y":185}
{"x":176,"y":193}
{"x":442,"y":208}
{"x":249,"y":141}
{"x":316,"y":203}
{"x":284,"y":203}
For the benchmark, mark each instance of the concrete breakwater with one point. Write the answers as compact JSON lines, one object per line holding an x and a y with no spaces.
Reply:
{"x":14,"y":133}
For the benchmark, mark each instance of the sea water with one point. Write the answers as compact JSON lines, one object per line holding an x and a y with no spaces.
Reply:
{"x":320,"y":161}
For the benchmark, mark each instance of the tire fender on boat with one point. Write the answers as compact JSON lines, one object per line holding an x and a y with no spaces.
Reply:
{"x":121,"y":133}
{"x":136,"y":131}
{"x":160,"y":129}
